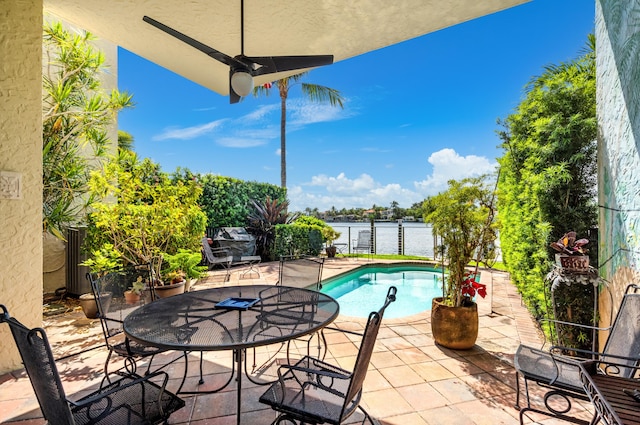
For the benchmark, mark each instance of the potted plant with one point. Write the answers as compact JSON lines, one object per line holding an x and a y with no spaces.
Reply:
{"x":132,"y":296}
{"x":186,"y":264}
{"x":102,"y":261}
{"x":172,"y":283}
{"x":329,"y":235}
{"x":462,"y":216}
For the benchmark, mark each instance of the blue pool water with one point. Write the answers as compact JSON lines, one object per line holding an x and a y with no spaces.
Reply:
{"x":363,"y":290}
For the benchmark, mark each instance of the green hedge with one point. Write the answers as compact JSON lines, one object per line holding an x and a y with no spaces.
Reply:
{"x":294,"y":239}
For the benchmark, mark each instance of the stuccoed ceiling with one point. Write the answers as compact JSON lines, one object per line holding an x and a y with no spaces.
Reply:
{"x":272,"y":28}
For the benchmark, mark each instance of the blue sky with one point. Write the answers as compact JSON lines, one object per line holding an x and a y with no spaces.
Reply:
{"x":416,"y":114}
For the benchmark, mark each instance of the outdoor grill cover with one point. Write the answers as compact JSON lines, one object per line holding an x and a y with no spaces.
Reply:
{"x":236,"y":239}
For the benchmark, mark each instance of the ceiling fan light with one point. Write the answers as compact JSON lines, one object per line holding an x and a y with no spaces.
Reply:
{"x":242,"y":83}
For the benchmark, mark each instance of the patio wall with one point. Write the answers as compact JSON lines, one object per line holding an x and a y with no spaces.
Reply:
{"x":618,"y":111}
{"x":21,"y":152}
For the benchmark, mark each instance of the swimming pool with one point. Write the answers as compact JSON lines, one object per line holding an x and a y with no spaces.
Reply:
{"x":363,"y":290}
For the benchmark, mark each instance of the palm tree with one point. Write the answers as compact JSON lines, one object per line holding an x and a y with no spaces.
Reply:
{"x":314,"y":92}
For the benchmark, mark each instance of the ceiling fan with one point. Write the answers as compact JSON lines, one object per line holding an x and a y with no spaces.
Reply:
{"x":243,"y":68}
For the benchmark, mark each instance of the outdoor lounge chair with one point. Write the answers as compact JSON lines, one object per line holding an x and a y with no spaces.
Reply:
{"x":363,"y":243}
{"x":557,"y":369}
{"x":130,"y":399}
{"x":217,"y":257}
{"x":315,"y":392}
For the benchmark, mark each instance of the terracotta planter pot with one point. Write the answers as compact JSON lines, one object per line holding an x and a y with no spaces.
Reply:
{"x":89,"y":306}
{"x":331,"y":251}
{"x":454,"y":327}
{"x":165,"y":291}
{"x":131,"y":297}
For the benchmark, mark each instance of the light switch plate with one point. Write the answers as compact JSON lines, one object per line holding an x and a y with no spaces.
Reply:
{"x":10,"y":185}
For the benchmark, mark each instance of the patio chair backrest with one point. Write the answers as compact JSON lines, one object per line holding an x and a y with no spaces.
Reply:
{"x":363,"y":243}
{"x":624,"y":337}
{"x":352,"y":397}
{"x":224,"y":258}
{"x":108,"y":291}
{"x":41,"y":367}
{"x":301,"y":272}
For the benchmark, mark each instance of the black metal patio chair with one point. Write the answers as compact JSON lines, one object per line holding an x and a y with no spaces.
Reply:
{"x":130,"y":399}
{"x":113,"y":308}
{"x":313,"y":391}
{"x":217,"y":257}
{"x":298,"y":272}
{"x":557,"y":369}
{"x":363,"y":243}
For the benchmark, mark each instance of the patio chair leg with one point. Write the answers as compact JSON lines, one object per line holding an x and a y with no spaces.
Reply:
{"x":201,"y":368}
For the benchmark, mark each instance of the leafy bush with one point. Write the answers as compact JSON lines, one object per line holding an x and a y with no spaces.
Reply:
{"x":142,"y":213}
{"x":292,"y":239}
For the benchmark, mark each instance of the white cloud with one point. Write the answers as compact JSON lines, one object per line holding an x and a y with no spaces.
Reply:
{"x":304,"y":112}
{"x":187,"y":133}
{"x":363,"y":191}
{"x":447,"y":165}
{"x":324,"y":192}
{"x":240,"y":142}
{"x":259,"y":114}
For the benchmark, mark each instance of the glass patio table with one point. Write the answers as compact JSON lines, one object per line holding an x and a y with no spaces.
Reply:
{"x":231,"y":318}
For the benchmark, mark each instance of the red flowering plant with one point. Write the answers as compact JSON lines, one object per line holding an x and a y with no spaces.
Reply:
{"x":470,"y":287}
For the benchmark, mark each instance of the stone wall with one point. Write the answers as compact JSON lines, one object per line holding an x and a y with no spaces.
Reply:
{"x":618,"y":111}
{"x":21,"y":153}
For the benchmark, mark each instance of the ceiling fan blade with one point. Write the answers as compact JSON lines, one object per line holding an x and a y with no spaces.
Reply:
{"x":219,"y":56}
{"x":271,"y":64}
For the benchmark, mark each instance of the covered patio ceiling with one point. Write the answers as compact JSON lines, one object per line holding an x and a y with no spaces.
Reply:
{"x":271,"y":28}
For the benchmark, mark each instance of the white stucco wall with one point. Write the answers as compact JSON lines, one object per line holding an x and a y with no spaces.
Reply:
{"x":21,"y":152}
{"x":618,"y":111}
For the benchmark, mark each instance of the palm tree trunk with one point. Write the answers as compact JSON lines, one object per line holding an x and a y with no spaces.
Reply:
{"x":283,"y":142}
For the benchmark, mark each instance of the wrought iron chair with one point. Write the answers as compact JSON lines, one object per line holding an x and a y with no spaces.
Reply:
{"x":131,"y":399}
{"x":302,"y":272}
{"x":297,"y":272}
{"x":108,"y":291}
{"x":315,"y":392}
{"x":217,"y":257}
{"x":557,"y":369}
{"x":363,"y":243}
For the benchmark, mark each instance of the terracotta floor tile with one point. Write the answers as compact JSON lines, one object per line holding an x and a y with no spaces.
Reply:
{"x":386,"y":403}
{"x":422,"y":396}
{"x":460,"y":367}
{"x":455,"y":390}
{"x":399,"y":376}
{"x":385,"y":359}
{"x":432,"y":371}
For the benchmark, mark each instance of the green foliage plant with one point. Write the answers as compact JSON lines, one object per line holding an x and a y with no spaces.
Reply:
{"x":461,"y":216}
{"x":292,"y":239}
{"x":263,"y":220}
{"x":187,"y":262}
{"x":226,"y":201}
{"x":548,"y":172}
{"x":76,"y":113}
{"x":142,"y":213}
{"x":138,"y":286}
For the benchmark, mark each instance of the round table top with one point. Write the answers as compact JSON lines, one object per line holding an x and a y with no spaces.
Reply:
{"x":191,"y":321}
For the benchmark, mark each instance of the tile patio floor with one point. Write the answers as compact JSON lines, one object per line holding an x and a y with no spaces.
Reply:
{"x":411,"y":381}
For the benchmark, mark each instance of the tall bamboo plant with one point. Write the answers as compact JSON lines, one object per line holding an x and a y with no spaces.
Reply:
{"x":463,"y":217}
{"x":75,"y":116}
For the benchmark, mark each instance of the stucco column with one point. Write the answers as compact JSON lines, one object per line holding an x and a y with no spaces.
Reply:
{"x":21,"y":155}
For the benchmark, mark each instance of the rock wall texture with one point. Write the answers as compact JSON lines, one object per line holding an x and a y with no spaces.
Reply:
{"x":21,"y":153}
{"x":618,"y":111}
